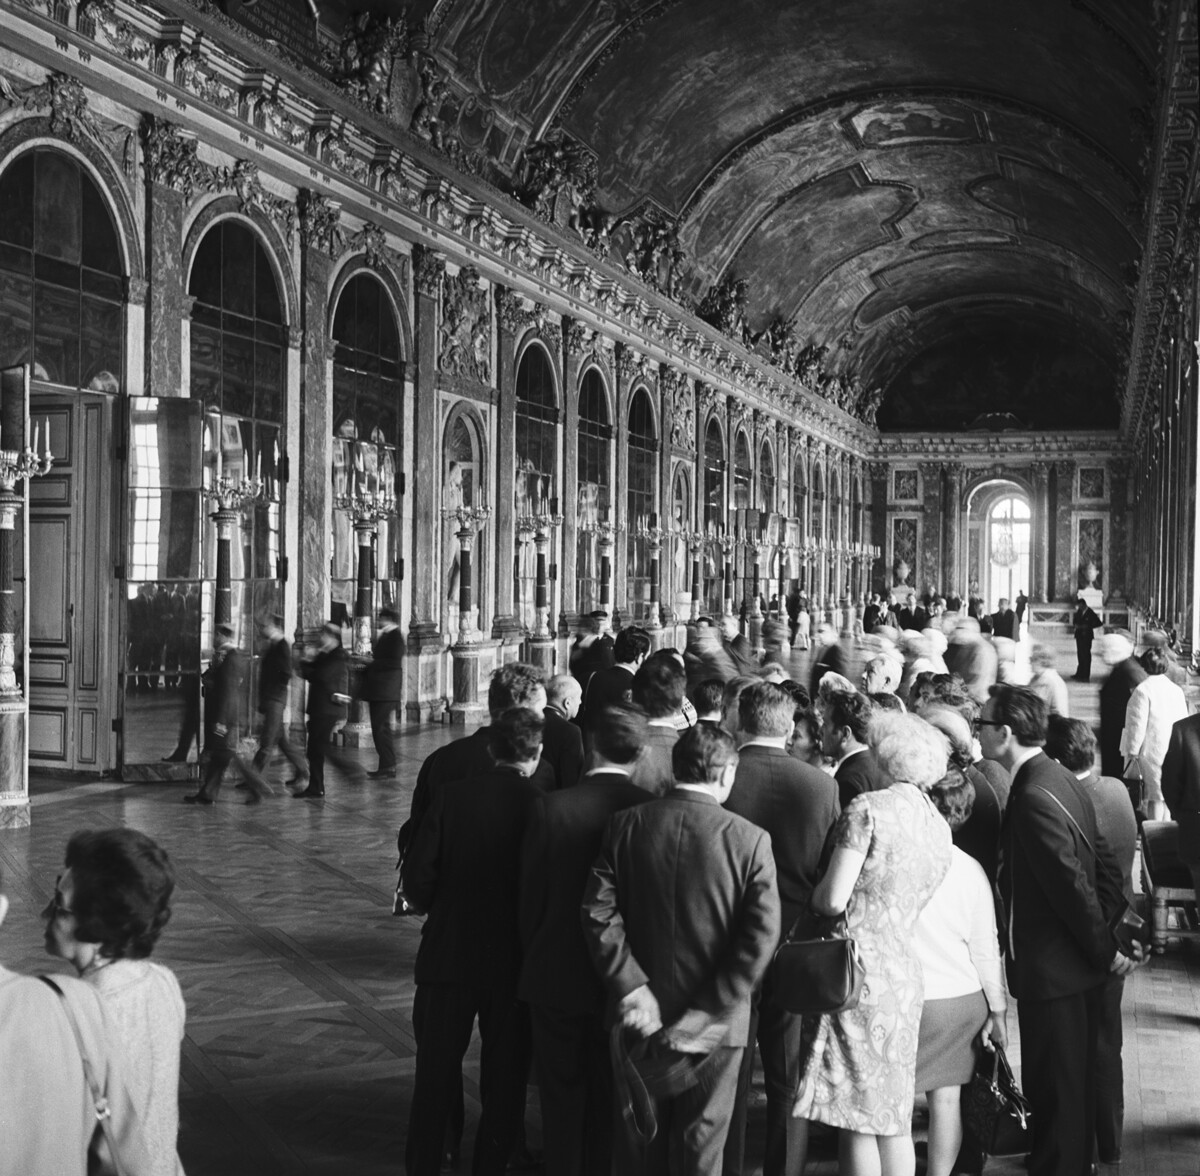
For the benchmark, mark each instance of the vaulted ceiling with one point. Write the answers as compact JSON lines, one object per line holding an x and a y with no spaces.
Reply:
{"x":946,"y":193}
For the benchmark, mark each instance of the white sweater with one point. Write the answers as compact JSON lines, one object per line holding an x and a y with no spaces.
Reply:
{"x":955,"y":937}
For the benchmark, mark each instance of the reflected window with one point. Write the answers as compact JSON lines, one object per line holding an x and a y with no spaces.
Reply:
{"x":642,"y":476}
{"x":535,"y":491}
{"x":742,"y":474}
{"x":368,"y":393}
{"x":681,"y":526}
{"x":714,"y":515}
{"x":61,"y":277}
{"x":594,"y":445}
{"x":462,"y":481}
{"x":799,"y":491}
{"x":766,"y":481}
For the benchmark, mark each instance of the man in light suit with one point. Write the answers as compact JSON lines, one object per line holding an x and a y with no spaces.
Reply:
{"x":682,"y":916}
{"x":1059,"y":948}
{"x":797,"y":805}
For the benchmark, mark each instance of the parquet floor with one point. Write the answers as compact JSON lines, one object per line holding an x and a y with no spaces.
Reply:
{"x":299,"y":1051}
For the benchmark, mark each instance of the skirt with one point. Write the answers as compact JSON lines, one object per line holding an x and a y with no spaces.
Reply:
{"x":946,"y":1046}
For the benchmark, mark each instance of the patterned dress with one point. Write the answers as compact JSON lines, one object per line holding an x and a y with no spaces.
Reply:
{"x":858,"y":1067}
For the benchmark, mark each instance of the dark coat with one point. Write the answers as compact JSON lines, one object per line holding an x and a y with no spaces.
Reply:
{"x":563,"y":839}
{"x":562,"y":748}
{"x":327,"y":675}
{"x":222,"y":689}
{"x":683,"y":898}
{"x":383,"y":675}
{"x":1181,"y":784}
{"x":607,"y":686}
{"x":1057,"y":941}
{"x":979,"y":835}
{"x":654,"y":771}
{"x":463,"y":867}
{"x":830,"y":659}
{"x":1114,"y":701}
{"x":860,"y":773}
{"x":797,"y":805}
{"x":589,"y":659}
{"x":1004,"y":623}
{"x":274,"y":673}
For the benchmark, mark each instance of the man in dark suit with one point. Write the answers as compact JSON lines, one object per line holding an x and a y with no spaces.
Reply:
{"x":274,"y":678}
{"x":1181,"y":790}
{"x":463,"y":867}
{"x":681,"y":915}
{"x":1004,"y":620}
{"x":223,"y":686}
{"x":1022,"y":605}
{"x":797,"y":805}
{"x":382,"y":688}
{"x":327,"y":675}
{"x":830,"y":658}
{"x":631,"y":648}
{"x":558,"y":982}
{"x":658,"y":689}
{"x":592,"y":650}
{"x":1085,"y":622}
{"x":563,"y":742}
{"x":1059,"y":947}
{"x":845,"y":717}
{"x":1125,"y":673}
{"x":872,"y":614}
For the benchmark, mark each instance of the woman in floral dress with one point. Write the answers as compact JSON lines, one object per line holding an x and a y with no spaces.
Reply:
{"x":892,"y":849}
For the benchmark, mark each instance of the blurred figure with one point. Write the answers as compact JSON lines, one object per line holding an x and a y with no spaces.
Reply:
{"x":1006,"y":660}
{"x":972,"y":658}
{"x":382,"y":689}
{"x":274,"y":679}
{"x":658,"y":689}
{"x":1155,"y":706}
{"x":706,"y":656}
{"x":1084,"y":623}
{"x":613,"y":684}
{"x":1045,"y":681}
{"x":326,"y":671}
{"x":1125,"y":673}
{"x":592,"y":649}
{"x":830,"y":657}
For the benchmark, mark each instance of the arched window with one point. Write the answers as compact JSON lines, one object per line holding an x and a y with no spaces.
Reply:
{"x":536,"y":489}
{"x":799,"y":490}
{"x":61,"y":278}
{"x":816,"y":504}
{"x":1008,"y":545}
{"x":714,"y":478}
{"x":594,"y":453}
{"x":237,"y":371}
{"x":743,"y":474}
{"x":642,"y":476}
{"x":766,"y":480}
{"x":368,"y":391}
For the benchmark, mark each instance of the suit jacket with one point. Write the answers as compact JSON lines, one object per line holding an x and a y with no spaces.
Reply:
{"x":1057,"y":939}
{"x":562,"y":748}
{"x":465,"y":757}
{"x":654,"y":771}
{"x":742,"y":653}
{"x":327,"y":675}
{"x":222,"y":687}
{"x":683,"y":898}
{"x":1181,"y":784}
{"x":463,"y":867}
{"x":589,"y":659}
{"x":859,"y":773}
{"x":274,"y":673}
{"x":1115,"y":692}
{"x":605,"y":687}
{"x":562,"y":841}
{"x":979,"y":836}
{"x":871,"y":617}
{"x":797,"y":805}
{"x":1003,"y":623}
{"x":383,"y":675}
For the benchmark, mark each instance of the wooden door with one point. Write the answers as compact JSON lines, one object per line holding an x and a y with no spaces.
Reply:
{"x":72,"y":630}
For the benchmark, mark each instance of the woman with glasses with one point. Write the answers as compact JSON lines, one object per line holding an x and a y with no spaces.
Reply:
{"x":110,"y":905}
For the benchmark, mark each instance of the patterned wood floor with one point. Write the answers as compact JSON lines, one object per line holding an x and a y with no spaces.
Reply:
{"x":299,"y":1050}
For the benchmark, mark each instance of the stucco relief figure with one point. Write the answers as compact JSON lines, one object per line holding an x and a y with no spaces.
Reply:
{"x":453,"y":499}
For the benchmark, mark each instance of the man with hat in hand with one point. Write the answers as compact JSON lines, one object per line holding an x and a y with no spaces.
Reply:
{"x":381,"y":690}
{"x":327,"y":676}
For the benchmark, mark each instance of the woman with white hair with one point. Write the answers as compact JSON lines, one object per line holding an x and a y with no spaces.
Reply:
{"x":891,"y":851}
{"x":1046,"y":682}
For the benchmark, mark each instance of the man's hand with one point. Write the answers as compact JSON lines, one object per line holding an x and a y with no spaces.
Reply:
{"x":994,"y":1033}
{"x":639,"y":1011}
{"x":220,"y":729}
{"x":696,"y":1032}
{"x":1122,"y":965}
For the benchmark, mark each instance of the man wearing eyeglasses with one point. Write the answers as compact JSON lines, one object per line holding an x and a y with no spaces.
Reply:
{"x":1059,"y":882}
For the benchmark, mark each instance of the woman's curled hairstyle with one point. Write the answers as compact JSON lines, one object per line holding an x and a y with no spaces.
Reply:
{"x":123,"y":883}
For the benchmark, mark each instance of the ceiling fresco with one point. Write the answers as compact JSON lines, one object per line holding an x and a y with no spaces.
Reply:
{"x":881,"y":176}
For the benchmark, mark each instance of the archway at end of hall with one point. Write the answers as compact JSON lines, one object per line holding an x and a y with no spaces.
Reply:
{"x":998,"y":542}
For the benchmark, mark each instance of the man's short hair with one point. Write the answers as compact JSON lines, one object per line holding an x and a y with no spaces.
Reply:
{"x":658,"y":687}
{"x":767,"y":710}
{"x":954,"y":797}
{"x":631,"y":643}
{"x":709,"y":697}
{"x":515,"y":684}
{"x":884,"y":700}
{"x":1071,"y":742}
{"x":389,"y":614}
{"x":1022,"y":711}
{"x":619,"y":733}
{"x":701,"y":753}
{"x":514,"y":736}
{"x":560,"y":687}
{"x":854,"y":710}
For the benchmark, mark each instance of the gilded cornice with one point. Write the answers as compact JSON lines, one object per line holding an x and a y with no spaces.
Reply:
{"x":985,"y":448}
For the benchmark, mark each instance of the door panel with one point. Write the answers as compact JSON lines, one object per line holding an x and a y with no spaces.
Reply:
{"x":72,"y":689}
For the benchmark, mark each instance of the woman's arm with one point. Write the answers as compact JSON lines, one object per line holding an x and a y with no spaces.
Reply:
{"x":832,"y":894}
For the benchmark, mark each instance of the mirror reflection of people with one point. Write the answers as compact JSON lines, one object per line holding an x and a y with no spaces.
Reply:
{"x":327,"y":673}
{"x":274,"y":679}
{"x":383,"y":685}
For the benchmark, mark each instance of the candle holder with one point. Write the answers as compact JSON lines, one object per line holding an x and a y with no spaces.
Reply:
{"x":469,"y":518}
{"x":19,"y":464}
{"x":229,"y":496}
{"x":369,"y":508}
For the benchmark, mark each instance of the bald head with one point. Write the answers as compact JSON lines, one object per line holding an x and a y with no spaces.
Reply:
{"x":564,"y":692}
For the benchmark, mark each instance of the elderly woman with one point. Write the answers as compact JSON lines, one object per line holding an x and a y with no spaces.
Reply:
{"x":965,"y":997}
{"x":1155,"y":706}
{"x":1045,"y":681}
{"x":891,"y":852}
{"x":109,"y":908}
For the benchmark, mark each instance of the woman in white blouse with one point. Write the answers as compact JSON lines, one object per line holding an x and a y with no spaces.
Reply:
{"x":1155,"y":706}
{"x":965,"y":996}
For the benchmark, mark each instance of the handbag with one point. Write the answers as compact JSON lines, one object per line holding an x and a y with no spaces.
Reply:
{"x":994,"y":1108}
{"x":113,"y":1167}
{"x":823,"y":974}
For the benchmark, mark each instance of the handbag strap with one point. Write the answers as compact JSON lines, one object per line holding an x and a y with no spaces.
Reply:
{"x":99,"y":1099}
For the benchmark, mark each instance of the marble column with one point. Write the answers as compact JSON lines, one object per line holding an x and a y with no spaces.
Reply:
{"x":226,"y":521}
{"x":512,"y":320}
{"x":952,"y":574}
{"x":468,"y":706}
{"x":574,"y":337}
{"x":1042,"y":573}
{"x":165,"y":292}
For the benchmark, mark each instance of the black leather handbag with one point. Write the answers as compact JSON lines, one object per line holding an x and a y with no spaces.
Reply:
{"x":994,"y":1108}
{"x":822,"y":974}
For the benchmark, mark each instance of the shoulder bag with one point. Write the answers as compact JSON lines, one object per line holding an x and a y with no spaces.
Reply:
{"x":113,"y":1167}
{"x":994,"y":1108}
{"x":822,"y":974}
